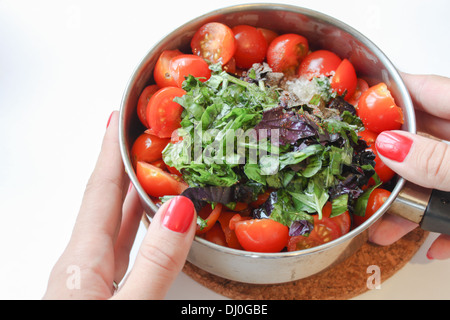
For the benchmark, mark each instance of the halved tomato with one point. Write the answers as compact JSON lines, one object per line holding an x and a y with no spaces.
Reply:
{"x":161,"y":73}
{"x":210,"y":215}
{"x":262,"y":235}
{"x":325,"y":230}
{"x":319,"y":63}
{"x":251,"y":46}
{"x":188,"y":64}
{"x":376,"y":199}
{"x":144,"y":98}
{"x":230,"y":235}
{"x":164,"y":114}
{"x":361,"y":87}
{"x":148,"y":148}
{"x":286,"y":52}
{"x":157,"y":182}
{"x":344,"y":80}
{"x":214,"y":42}
{"x":216,"y":235}
{"x":378,"y":110}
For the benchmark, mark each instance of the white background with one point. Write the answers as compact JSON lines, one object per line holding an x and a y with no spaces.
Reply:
{"x":63,"y":69}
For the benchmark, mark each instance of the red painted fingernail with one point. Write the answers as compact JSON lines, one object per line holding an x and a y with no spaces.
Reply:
{"x":179,"y":214}
{"x":109,"y":119}
{"x":429,"y":257}
{"x":393,"y":146}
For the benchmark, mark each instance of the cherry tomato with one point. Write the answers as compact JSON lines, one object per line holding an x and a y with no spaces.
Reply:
{"x":319,"y":63}
{"x":269,"y":35}
{"x":188,"y":64}
{"x":210,"y":215}
{"x":376,"y":200}
{"x":251,"y":46}
{"x":214,"y":42}
{"x":164,"y":114}
{"x":159,"y":164}
{"x":261,"y":199}
{"x":148,"y":148}
{"x":368,"y":136}
{"x":216,"y":235}
{"x":325,"y":230}
{"x":286,"y":52}
{"x":144,"y":98}
{"x":378,"y":111}
{"x":230,"y":66}
{"x":157,"y":182}
{"x":262,"y":235}
{"x":161,"y":73}
{"x":230,"y":235}
{"x":344,"y":80}
{"x":383,"y":171}
{"x":361,"y":87}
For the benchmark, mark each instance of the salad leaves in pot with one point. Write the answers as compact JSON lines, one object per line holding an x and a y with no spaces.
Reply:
{"x":278,"y":157}
{"x":318,"y":156}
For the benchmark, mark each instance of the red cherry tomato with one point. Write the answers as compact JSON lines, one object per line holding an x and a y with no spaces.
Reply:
{"x":368,"y":136}
{"x":319,"y":63}
{"x":383,"y":171}
{"x":188,"y":64}
{"x":361,"y":87}
{"x":269,"y":35}
{"x":378,"y":111}
{"x":163,"y":114}
{"x":148,"y":148}
{"x":230,"y":235}
{"x":157,"y":182}
{"x":325,"y":230}
{"x":144,"y":98}
{"x":216,"y":235}
{"x":262,"y":235}
{"x":376,"y":199}
{"x":161,"y":73}
{"x":210,"y":215}
{"x":214,"y":42}
{"x":344,"y":80}
{"x":251,"y":46}
{"x":286,"y":52}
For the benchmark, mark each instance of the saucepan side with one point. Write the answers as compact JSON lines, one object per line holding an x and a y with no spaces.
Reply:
{"x":322,"y":32}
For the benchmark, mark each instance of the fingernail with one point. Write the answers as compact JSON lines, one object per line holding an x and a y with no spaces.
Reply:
{"x":179,"y":214}
{"x":429,"y":256}
{"x":129,"y":188}
{"x":109,"y":119}
{"x":393,"y":146}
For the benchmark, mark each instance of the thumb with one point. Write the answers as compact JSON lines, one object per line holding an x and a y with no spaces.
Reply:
{"x":163,"y":251}
{"x":418,"y":159}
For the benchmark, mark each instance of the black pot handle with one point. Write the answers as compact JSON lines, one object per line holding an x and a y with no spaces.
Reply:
{"x":437,"y":214}
{"x":429,"y":208}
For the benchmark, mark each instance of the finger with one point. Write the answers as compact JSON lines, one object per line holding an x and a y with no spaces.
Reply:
{"x":429,"y":93}
{"x":132,"y":214}
{"x":390,"y":229}
{"x":432,"y":125}
{"x":418,"y":159}
{"x":101,"y":208}
{"x":163,"y":251}
{"x":440,"y":248}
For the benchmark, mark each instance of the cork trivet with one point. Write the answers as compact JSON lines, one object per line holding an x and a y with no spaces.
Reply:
{"x":344,"y":281}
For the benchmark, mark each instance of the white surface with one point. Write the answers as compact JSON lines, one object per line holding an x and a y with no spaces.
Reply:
{"x":63,"y":68}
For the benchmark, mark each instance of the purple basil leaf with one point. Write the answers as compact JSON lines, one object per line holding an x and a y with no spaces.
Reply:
{"x":300,"y":228}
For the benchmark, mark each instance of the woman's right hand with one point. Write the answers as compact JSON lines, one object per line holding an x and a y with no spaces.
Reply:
{"x":422,"y":160}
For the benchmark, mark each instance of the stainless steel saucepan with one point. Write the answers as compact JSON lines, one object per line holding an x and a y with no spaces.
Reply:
{"x":429,"y":208}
